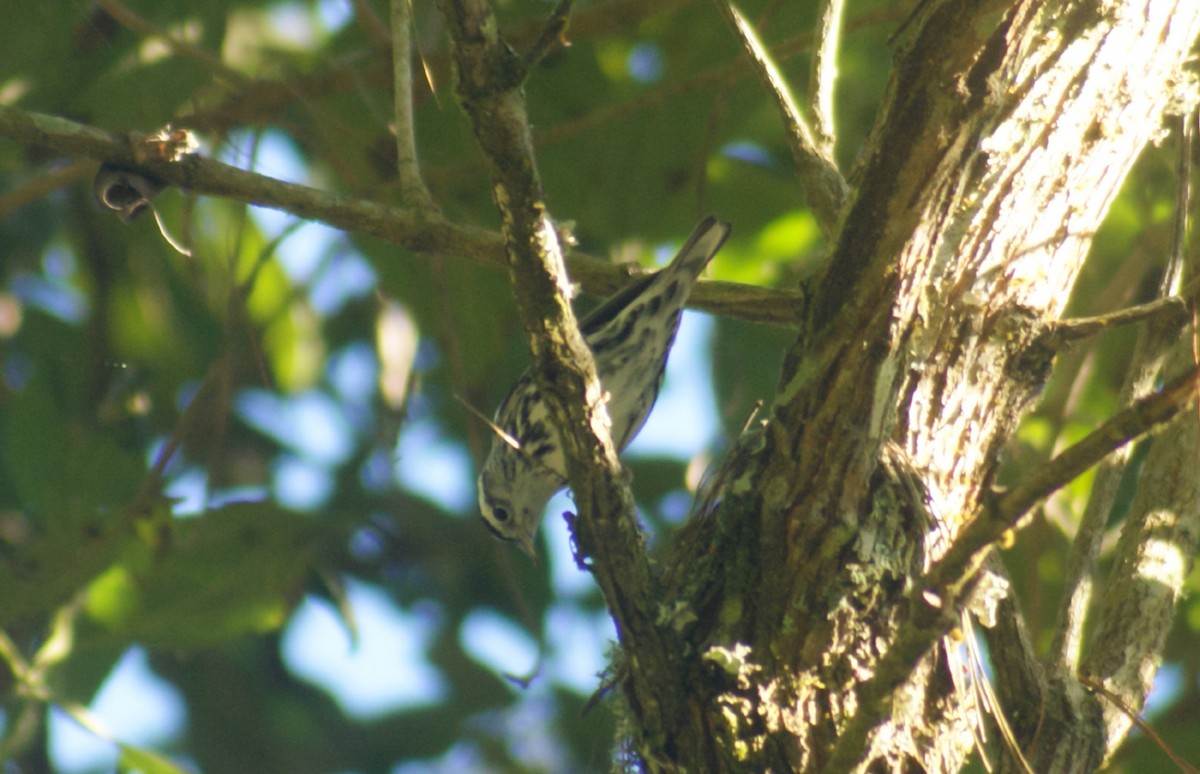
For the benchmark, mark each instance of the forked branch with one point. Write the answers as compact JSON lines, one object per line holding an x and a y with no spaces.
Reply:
{"x":412,"y":187}
{"x":826,"y":188}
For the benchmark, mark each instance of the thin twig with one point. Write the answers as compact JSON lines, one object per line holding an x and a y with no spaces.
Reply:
{"x":1146,"y":728}
{"x":552,"y":37}
{"x":823,"y":73}
{"x":1134,"y":422}
{"x":1065,"y":332}
{"x":826,"y":187}
{"x":412,"y":188}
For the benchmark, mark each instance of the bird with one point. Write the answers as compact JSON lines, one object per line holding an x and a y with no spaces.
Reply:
{"x":630,"y":335}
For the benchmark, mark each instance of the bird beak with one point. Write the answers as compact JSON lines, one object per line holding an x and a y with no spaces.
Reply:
{"x":526,"y":544}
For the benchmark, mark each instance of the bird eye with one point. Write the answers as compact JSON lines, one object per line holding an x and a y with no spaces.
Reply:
{"x":500,"y":515}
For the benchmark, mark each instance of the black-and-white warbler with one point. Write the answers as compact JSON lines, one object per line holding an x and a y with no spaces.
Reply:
{"x":630,"y":335}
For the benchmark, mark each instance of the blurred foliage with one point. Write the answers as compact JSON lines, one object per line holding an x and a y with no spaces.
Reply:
{"x":114,"y":348}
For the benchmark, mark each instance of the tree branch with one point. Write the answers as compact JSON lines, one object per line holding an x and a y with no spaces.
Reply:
{"x":827,"y":190}
{"x":489,"y":79}
{"x":1064,"y":332}
{"x":552,"y":37}
{"x":1019,"y":679}
{"x":730,"y":70}
{"x":823,"y":73}
{"x":1156,"y":550}
{"x":412,"y":189}
{"x":424,"y":234}
{"x":1149,"y":355}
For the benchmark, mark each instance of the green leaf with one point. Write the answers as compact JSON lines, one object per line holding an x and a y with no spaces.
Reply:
{"x":35,"y":432}
{"x":136,"y":759}
{"x":230,"y":572}
{"x":50,"y":569}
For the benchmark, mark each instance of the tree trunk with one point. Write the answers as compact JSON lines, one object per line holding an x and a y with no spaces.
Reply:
{"x":1005,"y":135}
{"x":796,"y":624}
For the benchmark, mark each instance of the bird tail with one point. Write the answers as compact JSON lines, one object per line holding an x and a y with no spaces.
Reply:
{"x":674,"y":282}
{"x":706,"y":239}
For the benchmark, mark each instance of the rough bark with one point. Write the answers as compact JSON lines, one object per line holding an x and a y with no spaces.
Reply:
{"x":994,"y":162}
{"x":1156,"y":552}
